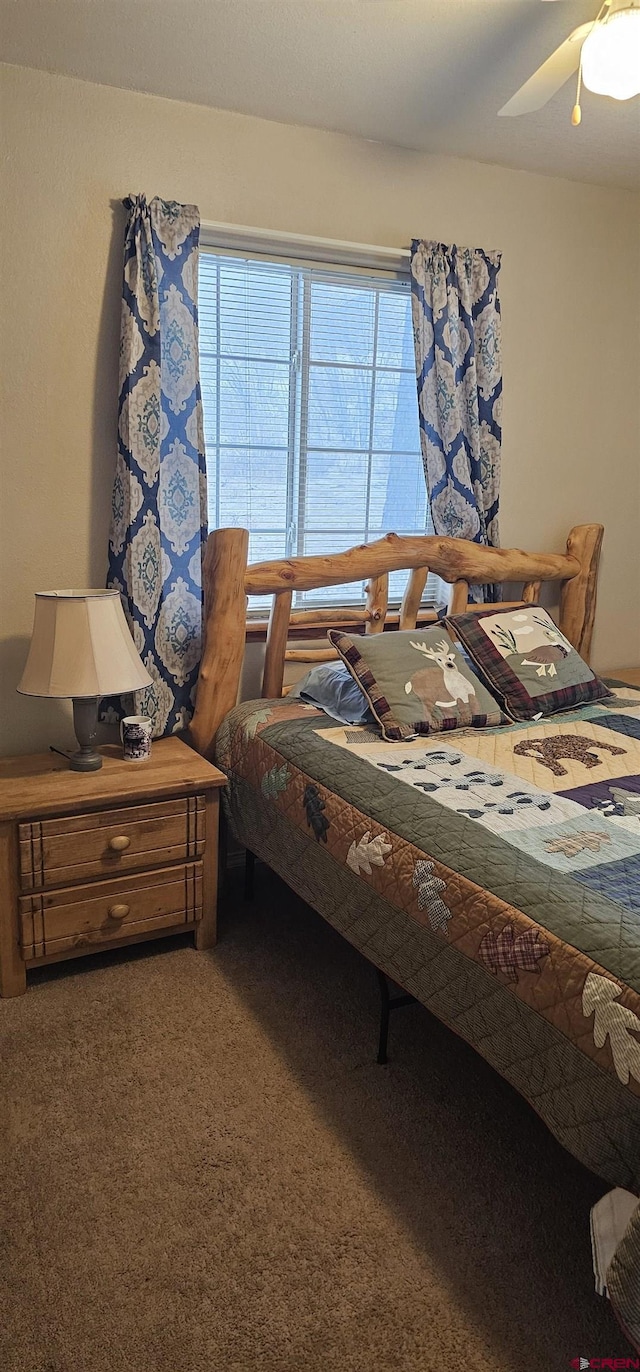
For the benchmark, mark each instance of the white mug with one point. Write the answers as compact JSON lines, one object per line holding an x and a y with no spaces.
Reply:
{"x":135,"y":732}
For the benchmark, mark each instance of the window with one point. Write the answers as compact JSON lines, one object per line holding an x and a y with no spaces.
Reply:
{"x":310,"y":409}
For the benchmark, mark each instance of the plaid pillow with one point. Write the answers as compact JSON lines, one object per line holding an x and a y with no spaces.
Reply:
{"x":527,"y":661}
{"x":416,"y":682}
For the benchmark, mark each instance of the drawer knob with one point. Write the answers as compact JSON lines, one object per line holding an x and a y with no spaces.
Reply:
{"x":118,"y":911}
{"x":119,"y":842}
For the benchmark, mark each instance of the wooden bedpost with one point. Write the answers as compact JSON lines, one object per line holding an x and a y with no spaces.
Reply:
{"x":276,"y":647}
{"x":578,"y":595}
{"x":377,"y":600}
{"x":225,"y":617}
{"x":458,"y":598}
{"x":412,"y":597}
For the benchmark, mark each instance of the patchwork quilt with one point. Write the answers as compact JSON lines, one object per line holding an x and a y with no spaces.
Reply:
{"x":495,"y":875}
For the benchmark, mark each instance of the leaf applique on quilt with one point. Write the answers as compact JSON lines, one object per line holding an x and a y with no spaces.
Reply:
{"x":511,"y":953}
{"x":275,"y":781}
{"x":314,"y":807}
{"x":368,"y":852}
{"x":252,"y":724}
{"x":600,"y":999}
{"x":429,"y":887}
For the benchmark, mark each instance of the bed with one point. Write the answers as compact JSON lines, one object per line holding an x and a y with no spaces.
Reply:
{"x":493,"y":874}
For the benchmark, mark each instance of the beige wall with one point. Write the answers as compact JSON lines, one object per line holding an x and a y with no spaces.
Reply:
{"x":569,"y":289}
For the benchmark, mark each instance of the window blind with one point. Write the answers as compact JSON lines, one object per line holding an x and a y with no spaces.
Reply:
{"x":310,"y":410}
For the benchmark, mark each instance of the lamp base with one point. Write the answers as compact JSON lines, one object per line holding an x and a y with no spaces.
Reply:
{"x":85,"y":760}
{"x":85,"y":723}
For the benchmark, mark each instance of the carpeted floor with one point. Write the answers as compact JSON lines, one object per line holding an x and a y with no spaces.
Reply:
{"x":204,"y":1170}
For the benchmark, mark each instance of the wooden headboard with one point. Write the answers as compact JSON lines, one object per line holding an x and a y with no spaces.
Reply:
{"x":228,"y":579}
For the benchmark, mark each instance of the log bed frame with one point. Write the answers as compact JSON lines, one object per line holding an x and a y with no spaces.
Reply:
{"x":228,"y":579}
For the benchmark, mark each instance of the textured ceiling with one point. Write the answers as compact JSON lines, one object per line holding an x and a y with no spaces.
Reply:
{"x":417,"y":73}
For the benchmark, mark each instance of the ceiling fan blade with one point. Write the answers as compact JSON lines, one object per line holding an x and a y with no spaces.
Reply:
{"x":550,"y":77}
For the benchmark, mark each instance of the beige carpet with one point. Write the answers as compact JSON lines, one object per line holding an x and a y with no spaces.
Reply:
{"x":205,"y":1171}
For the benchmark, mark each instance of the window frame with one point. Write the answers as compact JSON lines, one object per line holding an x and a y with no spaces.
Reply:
{"x":299,"y":253}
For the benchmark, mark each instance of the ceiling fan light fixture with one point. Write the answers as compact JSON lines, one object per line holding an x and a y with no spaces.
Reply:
{"x":611,"y":55}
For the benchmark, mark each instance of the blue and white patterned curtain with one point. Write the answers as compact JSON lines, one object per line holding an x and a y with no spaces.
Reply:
{"x":159,"y":507}
{"x":456,"y":327}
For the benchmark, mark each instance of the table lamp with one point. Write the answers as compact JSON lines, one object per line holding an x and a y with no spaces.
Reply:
{"x":81,"y":649}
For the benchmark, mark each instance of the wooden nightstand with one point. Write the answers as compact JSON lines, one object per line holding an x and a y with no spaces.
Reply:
{"x":101,"y":859}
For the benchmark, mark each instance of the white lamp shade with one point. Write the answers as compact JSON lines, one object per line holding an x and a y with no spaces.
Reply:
{"x":611,"y":55}
{"x":81,"y":646}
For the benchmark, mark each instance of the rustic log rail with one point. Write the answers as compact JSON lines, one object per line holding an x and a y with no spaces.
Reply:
{"x":228,"y":580}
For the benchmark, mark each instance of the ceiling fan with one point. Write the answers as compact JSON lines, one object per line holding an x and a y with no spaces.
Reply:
{"x":605,"y":53}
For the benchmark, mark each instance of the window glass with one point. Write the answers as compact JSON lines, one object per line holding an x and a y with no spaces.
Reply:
{"x":310,"y":410}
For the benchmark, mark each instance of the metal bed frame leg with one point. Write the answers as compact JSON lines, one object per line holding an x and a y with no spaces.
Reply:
{"x":387,"y":1004}
{"x":249,"y":874}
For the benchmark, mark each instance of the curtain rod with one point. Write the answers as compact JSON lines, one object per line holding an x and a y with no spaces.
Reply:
{"x":242,"y":236}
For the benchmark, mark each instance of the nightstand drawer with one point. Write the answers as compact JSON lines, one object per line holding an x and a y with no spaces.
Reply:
{"x":109,"y":910}
{"x":56,"y":852}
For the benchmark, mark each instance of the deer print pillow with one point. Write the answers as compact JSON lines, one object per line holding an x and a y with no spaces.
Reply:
{"x":417,"y":682}
{"x":525,"y":659}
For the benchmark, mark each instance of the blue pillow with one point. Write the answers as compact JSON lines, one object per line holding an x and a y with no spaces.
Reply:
{"x":332,"y":687}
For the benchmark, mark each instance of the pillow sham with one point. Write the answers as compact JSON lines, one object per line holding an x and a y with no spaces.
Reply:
{"x":416,"y":682}
{"x":332,"y":688}
{"x":527,"y":661}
